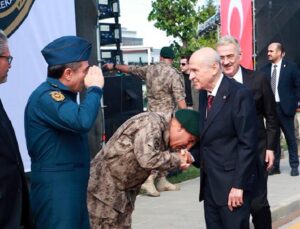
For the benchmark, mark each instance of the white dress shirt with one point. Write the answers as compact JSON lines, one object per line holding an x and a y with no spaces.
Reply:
{"x":239,"y":76}
{"x":277,"y":99}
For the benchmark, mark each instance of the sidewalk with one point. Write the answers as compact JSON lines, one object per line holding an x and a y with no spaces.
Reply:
{"x":181,"y":209}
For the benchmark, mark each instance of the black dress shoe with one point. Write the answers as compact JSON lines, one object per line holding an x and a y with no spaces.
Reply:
{"x":294,"y":172}
{"x":274,"y":171}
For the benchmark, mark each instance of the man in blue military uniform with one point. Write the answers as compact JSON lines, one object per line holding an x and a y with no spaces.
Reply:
{"x":56,"y":129}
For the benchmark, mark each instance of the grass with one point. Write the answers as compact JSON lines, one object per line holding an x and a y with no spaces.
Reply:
{"x":188,"y":174}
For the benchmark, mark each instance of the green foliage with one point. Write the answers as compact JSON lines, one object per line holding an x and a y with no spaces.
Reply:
{"x":188,"y":174}
{"x":180,"y":19}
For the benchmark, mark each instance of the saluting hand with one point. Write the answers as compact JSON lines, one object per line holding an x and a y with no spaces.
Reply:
{"x":94,"y":77}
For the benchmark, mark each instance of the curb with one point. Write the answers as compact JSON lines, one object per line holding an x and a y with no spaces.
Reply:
{"x":286,"y":210}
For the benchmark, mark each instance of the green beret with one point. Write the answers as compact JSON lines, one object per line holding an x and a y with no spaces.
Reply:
{"x":189,"y":119}
{"x":167,"y":52}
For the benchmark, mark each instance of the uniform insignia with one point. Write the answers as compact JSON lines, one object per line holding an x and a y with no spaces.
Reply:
{"x":57,"y":96}
{"x":13,"y":13}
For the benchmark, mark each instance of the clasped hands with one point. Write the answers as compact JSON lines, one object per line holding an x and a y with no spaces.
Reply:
{"x":186,"y":159}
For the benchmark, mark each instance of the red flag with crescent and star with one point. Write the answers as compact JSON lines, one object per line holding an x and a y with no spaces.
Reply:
{"x":236,"y":20}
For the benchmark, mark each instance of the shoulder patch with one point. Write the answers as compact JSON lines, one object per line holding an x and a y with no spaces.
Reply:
{"x":57,"y":96}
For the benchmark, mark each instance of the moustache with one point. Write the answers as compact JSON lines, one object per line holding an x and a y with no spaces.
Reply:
{"x":227,"y":65}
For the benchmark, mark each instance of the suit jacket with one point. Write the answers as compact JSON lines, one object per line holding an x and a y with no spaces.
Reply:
{"x":228,"y":142}
{"x":265,"y":105}
{"x":13,"y":185}
{"x":288,"y":85}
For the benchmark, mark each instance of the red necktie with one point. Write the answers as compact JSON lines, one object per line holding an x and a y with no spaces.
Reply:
{"x":210,"y":99}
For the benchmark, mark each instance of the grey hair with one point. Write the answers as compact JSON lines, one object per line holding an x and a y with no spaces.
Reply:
{"x":3,"y":42}
{"x":226,"y":40}
{"x":214,"y":58}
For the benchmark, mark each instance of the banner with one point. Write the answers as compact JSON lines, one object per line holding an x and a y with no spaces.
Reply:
{"x":31,"y":26}
{"x":236,"y":20}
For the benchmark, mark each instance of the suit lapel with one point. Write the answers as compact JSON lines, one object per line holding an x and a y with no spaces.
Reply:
{"x":219,"y":101}
{"x":282,"y":71}
{"x":6,"y":132}
{"x":202,"y":108}
{"x":269,"y":71}
{"x":247,"y":75}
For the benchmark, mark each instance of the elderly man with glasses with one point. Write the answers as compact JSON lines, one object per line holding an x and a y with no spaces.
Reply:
{"x":14,"y":198}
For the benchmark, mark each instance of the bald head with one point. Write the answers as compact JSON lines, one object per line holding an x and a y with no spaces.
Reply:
{"x":205,"y":68}
{"x":206,"y":56}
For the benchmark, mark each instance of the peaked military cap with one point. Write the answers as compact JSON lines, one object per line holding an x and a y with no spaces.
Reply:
{"x":167,"y":52}
{"x":67,"y":49}
{"x":189,"y":119}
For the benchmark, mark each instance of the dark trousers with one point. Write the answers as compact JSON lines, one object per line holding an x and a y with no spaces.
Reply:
{"x":287,"y":126}
{"x":260,"y":208}
{"x":220,"y":217}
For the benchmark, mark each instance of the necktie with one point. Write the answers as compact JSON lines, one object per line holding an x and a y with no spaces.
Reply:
{"x":273,"y":79}
{"x":210,"y":99}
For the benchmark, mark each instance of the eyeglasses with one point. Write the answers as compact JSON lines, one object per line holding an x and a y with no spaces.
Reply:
{"x":182,"y":64}
{"x":8,"y":58}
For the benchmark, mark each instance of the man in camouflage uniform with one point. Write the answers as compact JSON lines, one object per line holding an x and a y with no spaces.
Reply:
{"x":165,"y":92}
{"x":141,"y":144}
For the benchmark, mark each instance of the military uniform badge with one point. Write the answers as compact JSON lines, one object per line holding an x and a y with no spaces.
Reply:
{"x":57,"y":96}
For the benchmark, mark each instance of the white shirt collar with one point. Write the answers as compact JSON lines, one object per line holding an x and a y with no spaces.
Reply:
{"x":278,"y":64}
{"x":215,"y":90}
{"x":239,"y":76}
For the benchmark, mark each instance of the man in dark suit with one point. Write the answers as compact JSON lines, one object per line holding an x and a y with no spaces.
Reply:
{"x":284,"y":78}
{"x":230,"y":54}
{"x":14,"y":199}
{"x":228,"y":141}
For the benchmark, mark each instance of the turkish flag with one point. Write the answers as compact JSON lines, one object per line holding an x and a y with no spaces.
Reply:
{"x":236,"y":20}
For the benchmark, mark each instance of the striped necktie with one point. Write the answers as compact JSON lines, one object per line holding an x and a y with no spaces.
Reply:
{"x":273,"y":79}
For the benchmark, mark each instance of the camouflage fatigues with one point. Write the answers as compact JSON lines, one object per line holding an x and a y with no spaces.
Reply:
{"x":165,"y":86}
{"x":120,"y":168}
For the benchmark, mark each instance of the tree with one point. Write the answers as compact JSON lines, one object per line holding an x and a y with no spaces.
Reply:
{"x":180,"y":19}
